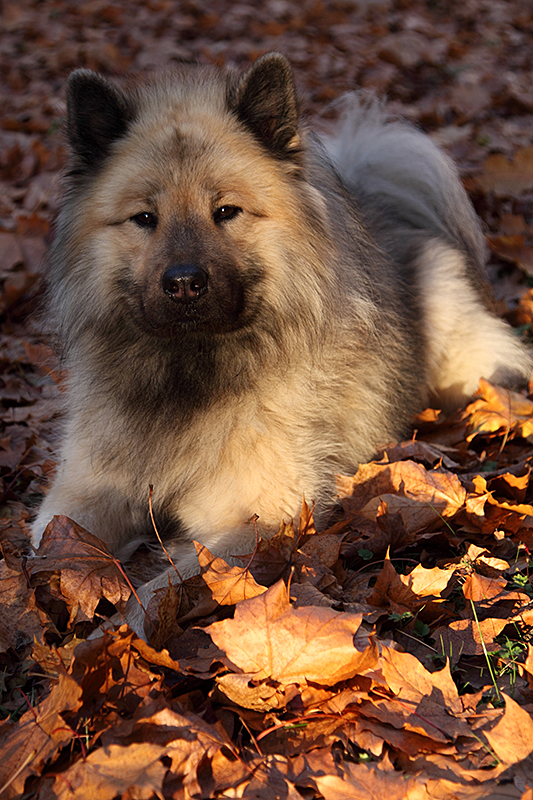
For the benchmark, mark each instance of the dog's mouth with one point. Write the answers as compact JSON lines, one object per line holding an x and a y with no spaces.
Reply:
{"x":167,"y":317}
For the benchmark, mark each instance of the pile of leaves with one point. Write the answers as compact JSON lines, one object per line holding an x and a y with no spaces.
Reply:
{"x":387,"y":655}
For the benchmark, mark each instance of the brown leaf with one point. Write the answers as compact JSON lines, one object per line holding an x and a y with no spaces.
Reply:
{"x":514,"y":248}
{"x":21,"y":620}
{"x":354,"y":781}
{"x":467,"y":637}
{"x":271,"y":639}
{"x":429,"y":701}
{"x":512,"y":736}
{"x":29,"y":743}
{"x":505,"y":177}
{"x":498,"y":409}
{"x":112,"y":771}
{"x":228,"y":585}
{"x":428,"y":582}
{"x":88,"y":571}
{"x":419,"y":495}
{"x":479,"y":587}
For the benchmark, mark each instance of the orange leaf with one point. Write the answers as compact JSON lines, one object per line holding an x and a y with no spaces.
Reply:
{"x":499,"y":409}
{"x":478,"y":587}
{"x":420,"y":497}
{"x":271,"y":639}
{"x":512,"y":736}
{"x":114,"y":770}
{"x":505,"y":177}
{"x":228,"y":585}
{"x":38,"y":735}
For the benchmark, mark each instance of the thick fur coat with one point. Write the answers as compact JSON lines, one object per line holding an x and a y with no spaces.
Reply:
{"x":245,"y":308}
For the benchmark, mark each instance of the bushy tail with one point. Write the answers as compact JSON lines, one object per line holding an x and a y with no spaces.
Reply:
{"x":391,"y":167}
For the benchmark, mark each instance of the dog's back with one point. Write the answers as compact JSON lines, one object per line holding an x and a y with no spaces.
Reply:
{"x":419,"y":212}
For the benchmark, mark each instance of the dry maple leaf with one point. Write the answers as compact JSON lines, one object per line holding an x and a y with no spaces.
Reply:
{"x":347,"y":781}
{"x":420,"y":496}
{"x":512,"y":736}
{"x":113,"y":771}
{"x":428,"y":701}
{"x":228,"y":585}
{"x":467,"y":637}
{"x":268,"y":638}
{"x":38,"y":735}
{"x":18,"y":605}
{"x":88,"y":570}
{"x":480,"y":587}
{"x":498,"y":409}
{"x":409,"y":591}
{"x":186,"y":739}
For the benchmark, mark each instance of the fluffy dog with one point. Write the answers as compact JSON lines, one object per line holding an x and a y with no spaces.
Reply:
{"x":245,"y":308}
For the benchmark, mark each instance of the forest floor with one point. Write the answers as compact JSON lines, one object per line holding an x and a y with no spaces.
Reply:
{"x":386,"y":657}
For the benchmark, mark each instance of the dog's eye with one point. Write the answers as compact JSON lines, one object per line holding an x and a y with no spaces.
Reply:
{"x":225,"y":213}
{"x":145,"y":220}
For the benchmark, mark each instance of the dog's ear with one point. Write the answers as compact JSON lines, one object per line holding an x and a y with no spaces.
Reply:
{"x":266,"y":103}
{"x":98,"y":115}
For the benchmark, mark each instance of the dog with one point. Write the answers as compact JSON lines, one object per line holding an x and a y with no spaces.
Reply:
{"x":245,"y":307}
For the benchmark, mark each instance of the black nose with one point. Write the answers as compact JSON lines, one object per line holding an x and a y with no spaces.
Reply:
{"x":184,"y":283}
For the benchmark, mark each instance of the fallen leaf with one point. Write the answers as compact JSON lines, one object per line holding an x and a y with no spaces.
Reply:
{"x":270,"y":639}
{"x":498,"y":409}
{"x":113,"y":771}
{"x":507,"y":177}
{"x":88,"y":571}
{"x":512,"y":736}
{"x":228,"y":585}
{"x":39,"y":734}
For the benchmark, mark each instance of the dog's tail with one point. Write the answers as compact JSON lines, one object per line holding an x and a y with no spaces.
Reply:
{"x":412,"y":196}
{"x":396,"y":170}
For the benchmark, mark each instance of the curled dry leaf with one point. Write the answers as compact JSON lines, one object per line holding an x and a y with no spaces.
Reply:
{"x":38,"y":735}
{"x":499,"y":409}
{"x":228,"y":585}
{"x":114,"y":770}
{"x":420,"y":496}
{"x":88,"y":571}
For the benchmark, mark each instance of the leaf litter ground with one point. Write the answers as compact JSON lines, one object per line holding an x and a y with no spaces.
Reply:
{"x":387,"y":656}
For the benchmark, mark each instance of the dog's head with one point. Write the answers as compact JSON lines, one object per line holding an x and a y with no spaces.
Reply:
{"x":188,"y":197}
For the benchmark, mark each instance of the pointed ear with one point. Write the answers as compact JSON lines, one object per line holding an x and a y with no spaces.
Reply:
{"x":266,"y":104}
{"x":98,"y":114}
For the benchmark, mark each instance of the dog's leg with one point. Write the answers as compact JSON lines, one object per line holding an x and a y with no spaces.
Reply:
{"x":466,"y":342}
